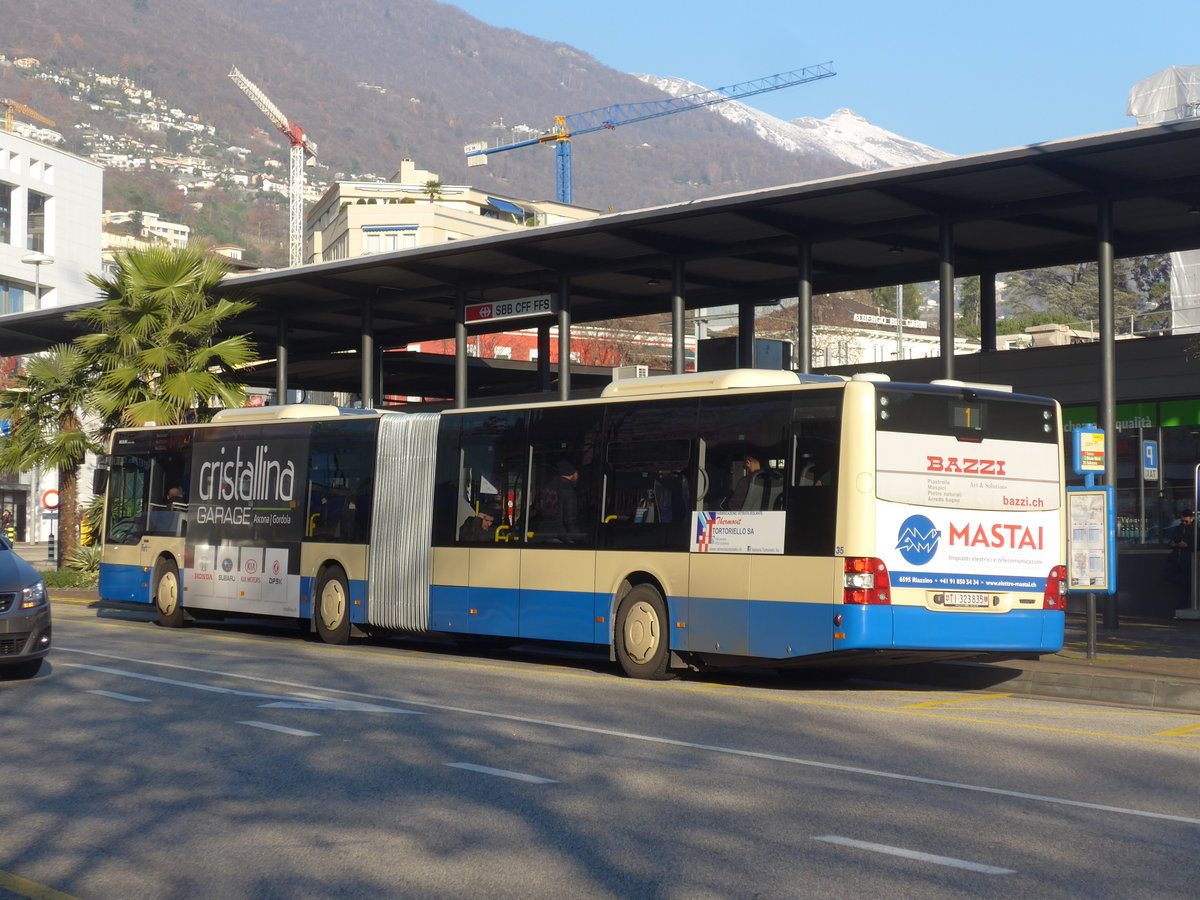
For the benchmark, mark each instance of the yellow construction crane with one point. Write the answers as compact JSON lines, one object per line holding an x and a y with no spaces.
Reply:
{"x":12,"y":106}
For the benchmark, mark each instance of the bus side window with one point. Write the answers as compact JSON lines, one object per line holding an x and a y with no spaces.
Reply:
{"x":812,"y":487}
{"x":650,"y":475}
{"x":742,"y":447}
{"x":492,"y":470}
{"x":565,"y":465}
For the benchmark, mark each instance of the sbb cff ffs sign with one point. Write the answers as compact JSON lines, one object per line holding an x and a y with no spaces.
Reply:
{"x":541,"y":305}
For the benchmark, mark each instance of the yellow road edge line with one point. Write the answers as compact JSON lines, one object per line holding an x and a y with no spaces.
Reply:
{"x":973,"y":699}
{"x":701,"y":688}
{"x":31,"y":889}
{"x":1178,"y":732}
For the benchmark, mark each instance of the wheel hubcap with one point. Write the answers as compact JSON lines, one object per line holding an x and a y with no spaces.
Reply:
{"x":641,"y":632}
{"x":168,"y":594}
{"x":333,"y":605}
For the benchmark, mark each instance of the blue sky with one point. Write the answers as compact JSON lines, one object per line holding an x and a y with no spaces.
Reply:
{"x":966,"y":77}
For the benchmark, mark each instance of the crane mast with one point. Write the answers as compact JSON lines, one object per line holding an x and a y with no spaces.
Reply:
{"x":607,"y":118}
{"x":303,"y":151}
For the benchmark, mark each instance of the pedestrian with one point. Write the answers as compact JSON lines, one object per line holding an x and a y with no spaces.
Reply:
{"x":1182,"y":540}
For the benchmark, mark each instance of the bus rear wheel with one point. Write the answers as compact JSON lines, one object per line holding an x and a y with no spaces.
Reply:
{"x":167,"y":600}
{"x":332,"y":610}
{"x":641,"y":636}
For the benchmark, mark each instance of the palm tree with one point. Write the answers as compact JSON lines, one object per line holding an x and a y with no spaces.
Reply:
{"x":46,"y":407}
{"x":155,"y":336}
{"x":433,"y":188}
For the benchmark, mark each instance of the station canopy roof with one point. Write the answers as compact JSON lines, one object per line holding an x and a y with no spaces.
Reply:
{"x":1014,"y":209}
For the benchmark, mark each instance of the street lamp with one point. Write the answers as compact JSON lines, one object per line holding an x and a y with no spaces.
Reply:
{"x":37,"y":260}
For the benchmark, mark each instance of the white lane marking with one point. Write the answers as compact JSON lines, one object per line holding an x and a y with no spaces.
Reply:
{"x":916,"y":854}
{"x":312,"y":701}
{"x":126,"y":697}
{"x":279,"y":700}
{"x":282,"y":729}
{"x":503,"y":773}
{"x":670,"y":742}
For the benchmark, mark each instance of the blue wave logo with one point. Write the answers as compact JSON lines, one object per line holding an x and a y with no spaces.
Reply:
{"x":918,"y":540}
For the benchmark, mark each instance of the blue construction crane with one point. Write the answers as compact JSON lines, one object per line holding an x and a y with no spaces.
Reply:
{"x":609,"y":117}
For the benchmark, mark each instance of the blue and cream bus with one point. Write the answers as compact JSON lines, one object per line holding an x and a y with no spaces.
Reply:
{"x":680,"y":521}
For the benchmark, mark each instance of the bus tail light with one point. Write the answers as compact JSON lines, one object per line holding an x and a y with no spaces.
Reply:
{"x":866,"y":581}
{"x":1055,"y":596}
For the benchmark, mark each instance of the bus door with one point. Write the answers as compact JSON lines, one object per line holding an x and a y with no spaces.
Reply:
{"x":558,"y":561}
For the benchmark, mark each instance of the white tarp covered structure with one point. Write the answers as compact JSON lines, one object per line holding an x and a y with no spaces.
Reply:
{"x":1168,"y":96}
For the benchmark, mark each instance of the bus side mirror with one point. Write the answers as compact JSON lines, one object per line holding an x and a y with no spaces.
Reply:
{"x":99,"y":481}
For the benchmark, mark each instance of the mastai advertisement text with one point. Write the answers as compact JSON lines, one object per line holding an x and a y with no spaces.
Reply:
{"x":967,"y":516}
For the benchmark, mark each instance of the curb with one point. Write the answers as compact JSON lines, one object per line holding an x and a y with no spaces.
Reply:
{"x":1145,"y":691}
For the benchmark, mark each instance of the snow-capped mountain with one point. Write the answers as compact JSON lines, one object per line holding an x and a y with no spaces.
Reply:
{"x":845,"y":135}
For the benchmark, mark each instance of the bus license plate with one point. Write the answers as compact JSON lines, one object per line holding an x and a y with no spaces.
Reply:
{"x":959,"y":598}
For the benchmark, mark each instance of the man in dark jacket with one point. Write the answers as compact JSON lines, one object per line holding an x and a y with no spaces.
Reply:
{"x":560,"y":507}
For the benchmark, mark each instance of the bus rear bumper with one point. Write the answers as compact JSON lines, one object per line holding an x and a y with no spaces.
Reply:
{"x":916,"y":628}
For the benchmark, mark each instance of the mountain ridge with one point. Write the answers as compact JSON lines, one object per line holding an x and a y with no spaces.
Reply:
{"x":375,"y":81}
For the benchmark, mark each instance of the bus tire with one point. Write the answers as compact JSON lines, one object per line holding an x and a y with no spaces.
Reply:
{"x":168,"y":598}
{"x":332,"y":606}
{"x":642,"y":637}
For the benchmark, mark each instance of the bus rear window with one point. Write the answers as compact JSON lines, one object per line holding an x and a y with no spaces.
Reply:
{"x":969,"y":417}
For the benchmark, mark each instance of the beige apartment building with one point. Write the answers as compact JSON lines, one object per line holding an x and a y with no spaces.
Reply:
{"x":357,"y":218}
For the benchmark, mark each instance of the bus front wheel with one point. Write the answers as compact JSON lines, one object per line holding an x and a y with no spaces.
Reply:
{"x":167,"y":600}
{"x":333,"y":607}
{"x":642,"y":637}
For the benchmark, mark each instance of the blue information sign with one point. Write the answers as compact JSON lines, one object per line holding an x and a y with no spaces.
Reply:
{"x":1150,"y":460}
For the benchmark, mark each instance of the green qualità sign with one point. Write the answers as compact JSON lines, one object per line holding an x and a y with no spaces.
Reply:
{"x":1129,"y":415}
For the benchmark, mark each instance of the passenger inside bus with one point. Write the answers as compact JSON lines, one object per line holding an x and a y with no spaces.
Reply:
{"x":759,"y":488}
{"x":480,"y":527}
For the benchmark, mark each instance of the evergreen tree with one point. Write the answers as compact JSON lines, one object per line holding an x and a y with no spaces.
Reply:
{"x":885,"y":298}
{"x":46,"y":407}
{"x":154,"y":338}
{"x":1070,"y":291}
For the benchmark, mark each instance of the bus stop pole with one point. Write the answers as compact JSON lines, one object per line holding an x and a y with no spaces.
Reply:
{"x":460,"y":348}
{"x":678,"y":306}
{"x":987,"y":311}
{"x":281,"y":359}
{"x":368,"y":356}
{"x":804,"y":314}
{"x":1108,"y":369}
{"x":946,"y":295}
{"x":564,"y":338}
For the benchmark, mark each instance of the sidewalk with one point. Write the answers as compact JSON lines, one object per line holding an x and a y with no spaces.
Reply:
{"x":1152,"y":663}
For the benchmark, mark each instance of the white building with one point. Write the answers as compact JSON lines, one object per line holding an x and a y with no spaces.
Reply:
{"x":154,"y":227}
{"x":357,"y":218}
{"x":50,"y":207}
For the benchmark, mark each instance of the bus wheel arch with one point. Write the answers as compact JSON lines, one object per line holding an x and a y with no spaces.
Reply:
{"x":168,"y":593}
{"x":641,"y":628}
{"x":331,"y":604}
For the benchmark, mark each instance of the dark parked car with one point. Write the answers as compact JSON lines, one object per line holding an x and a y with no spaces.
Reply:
{"x":24,"y":616}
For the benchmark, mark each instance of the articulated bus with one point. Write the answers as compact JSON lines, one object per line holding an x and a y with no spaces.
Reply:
{"x":744,"y":517}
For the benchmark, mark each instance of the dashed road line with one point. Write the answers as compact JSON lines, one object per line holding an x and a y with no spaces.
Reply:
{"x":916,"y":854}
{"x":126,"y":697}
{"x":502,"y":773}
{"x":282,"y":729}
